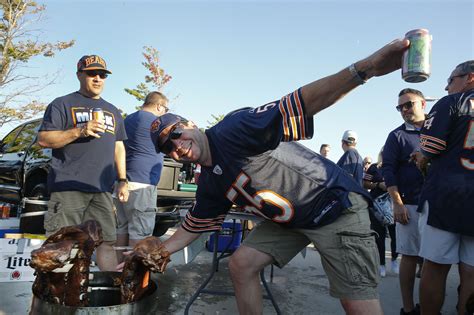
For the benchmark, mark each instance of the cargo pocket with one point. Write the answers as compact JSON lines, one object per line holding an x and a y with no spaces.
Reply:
{"x":360,"y":257}
{"x":52,"y":218}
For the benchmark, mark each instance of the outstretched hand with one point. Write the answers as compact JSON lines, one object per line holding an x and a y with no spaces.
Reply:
{"x":153,"y":254}
{"x":387,"y":59}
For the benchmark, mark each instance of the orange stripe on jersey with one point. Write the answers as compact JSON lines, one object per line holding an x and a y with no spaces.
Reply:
{"x":300,"y":114}
{"x":434,"y":145}
{"x":286,"y":130}
{"x":189,"y":216}
{"x":294,"y":126}
{"x":443,"y":143}
{"x":193,"y":230}
{"x":430,"y":150}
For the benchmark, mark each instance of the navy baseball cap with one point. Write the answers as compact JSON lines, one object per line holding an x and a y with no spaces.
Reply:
{"x":92,"y":62}
{"x":161,"y":129}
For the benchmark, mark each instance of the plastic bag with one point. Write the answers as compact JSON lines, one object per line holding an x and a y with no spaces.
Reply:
{"x":383,"y":210}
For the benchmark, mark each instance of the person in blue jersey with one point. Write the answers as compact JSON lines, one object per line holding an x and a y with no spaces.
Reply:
{"x":447,"y":198}
{"x":251,"y":159}
{"x":374,"y":181}
{"x":88,"y":156}
{"x":136,"y":217}
{"x":351,"y":161}
{"x":404,"y":181}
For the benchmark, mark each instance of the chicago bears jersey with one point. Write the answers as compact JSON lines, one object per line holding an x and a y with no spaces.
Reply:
{"x":448,"y":138}
{"x":258,"y":168}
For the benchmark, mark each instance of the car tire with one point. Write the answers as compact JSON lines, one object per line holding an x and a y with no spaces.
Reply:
{"x":39,"y":191}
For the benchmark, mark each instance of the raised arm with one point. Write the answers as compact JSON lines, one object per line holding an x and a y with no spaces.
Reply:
{"x":324,"y":92}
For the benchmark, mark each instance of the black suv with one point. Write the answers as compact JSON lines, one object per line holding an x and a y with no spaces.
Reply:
{"x":24,"y":164}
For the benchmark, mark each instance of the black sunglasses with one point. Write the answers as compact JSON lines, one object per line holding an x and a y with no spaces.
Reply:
{"x":451,"y":79}
{"x":406,"y":105}
{"x":94,"y":73}
{"x":167,"y":146}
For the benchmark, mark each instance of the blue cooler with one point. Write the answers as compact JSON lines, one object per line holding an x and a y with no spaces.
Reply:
{"x":11,"y":225}
{"x":228,"y":239}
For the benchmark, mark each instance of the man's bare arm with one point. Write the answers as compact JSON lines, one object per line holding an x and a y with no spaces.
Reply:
{"x":324,"y":92}
{"x":179,"y":240}
{"x":59,"y":138}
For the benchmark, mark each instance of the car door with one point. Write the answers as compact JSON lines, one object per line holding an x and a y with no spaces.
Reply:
{"x":13,"y":151}
{"x":10,"y":165}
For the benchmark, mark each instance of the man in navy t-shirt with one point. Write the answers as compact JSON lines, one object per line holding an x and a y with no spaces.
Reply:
{"x":404,"y":181}
{"x":251,"y":159}
{"x":136,"y":217}
{"x":447,"y":197}
{"x":351,"y":161}
{"x":88,"y":156}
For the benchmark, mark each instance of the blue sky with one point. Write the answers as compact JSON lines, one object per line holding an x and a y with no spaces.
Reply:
{"x":223,"y":55}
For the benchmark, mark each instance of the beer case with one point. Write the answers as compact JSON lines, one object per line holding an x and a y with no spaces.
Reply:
{"x":15,"y":257}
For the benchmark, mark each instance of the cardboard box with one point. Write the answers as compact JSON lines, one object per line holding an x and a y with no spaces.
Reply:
{"x":15,"y":257}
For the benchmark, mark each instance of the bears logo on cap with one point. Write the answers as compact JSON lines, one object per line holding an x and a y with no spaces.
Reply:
{"x":92,"y":62}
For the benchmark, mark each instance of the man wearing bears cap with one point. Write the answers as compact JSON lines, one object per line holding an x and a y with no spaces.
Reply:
{"x":251,"y":159}
{"x":88,"y":156}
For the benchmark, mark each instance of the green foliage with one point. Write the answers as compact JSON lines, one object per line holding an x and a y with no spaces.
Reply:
{"x":155,"y":80}
{"x":216,"y":119}
{"x":19,"y":42}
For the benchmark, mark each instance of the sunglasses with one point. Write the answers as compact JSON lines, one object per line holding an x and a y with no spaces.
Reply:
{"x":165,"y":108}
{"x":451,"y":79}
{"x":94,"y":73}
{"x":167,"y":146}
{"x":406,"y":105}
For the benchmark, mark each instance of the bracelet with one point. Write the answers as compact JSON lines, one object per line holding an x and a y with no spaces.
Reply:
{"x":123,"y":180}
{"x":359,"y":76}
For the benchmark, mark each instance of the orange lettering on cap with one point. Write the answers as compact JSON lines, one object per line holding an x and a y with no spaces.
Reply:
{"x":95,"y":59}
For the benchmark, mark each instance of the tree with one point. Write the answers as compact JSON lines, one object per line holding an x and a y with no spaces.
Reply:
{"x":216,"y":119}
{"x":19,"y":42}
{"x":157,"y":77}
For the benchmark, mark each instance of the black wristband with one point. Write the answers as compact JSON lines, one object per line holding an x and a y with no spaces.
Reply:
{"x":122,"y":180}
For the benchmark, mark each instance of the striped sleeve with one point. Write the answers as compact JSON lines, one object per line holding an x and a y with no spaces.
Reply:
{"x":431,"y":144}
{"x":197,"y":225}
{"x":296,"y":126}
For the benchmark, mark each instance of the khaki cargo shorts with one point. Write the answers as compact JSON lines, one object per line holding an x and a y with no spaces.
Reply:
{"x":136,"y":217}
{"x":75,"y":207}
{"x":347,"y":248}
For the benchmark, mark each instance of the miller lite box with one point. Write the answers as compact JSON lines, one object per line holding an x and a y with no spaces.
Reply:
{"x":15,"y":257}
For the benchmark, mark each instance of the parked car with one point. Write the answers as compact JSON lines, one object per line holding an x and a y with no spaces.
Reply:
{"x":24,"y":167}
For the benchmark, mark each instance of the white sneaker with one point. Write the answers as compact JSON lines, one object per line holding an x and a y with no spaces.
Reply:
{"x":383,"y":272}
{"x":395,"y":267}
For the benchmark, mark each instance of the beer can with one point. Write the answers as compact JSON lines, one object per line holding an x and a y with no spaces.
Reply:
{"x":98,"y":114}
{"x":5,"y":210}
{"x":416,"y":61}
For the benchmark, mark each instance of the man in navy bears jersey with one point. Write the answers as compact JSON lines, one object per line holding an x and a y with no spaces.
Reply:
{"x":250,"y":159}
{"x":446,"y":221}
